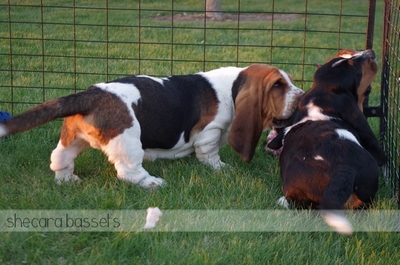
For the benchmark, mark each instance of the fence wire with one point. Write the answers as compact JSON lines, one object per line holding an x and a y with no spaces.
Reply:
{"x":56,"y":47}
{"x":390,"y":126}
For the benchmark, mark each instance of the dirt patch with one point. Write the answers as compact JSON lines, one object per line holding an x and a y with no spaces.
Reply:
{"x":248,"y":17}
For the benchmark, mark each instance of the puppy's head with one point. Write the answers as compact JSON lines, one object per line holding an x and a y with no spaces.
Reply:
{"x":265,"y":96}
{"x":348,"y":70}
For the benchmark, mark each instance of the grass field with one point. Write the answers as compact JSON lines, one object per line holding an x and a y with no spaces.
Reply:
{"x":49,"y":52}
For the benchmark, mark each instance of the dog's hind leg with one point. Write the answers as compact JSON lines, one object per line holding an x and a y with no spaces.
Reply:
{"x":336,"y":193}
{"x":126,"y":153}
{"x":366,"y":183}
{"x":63,"y":159}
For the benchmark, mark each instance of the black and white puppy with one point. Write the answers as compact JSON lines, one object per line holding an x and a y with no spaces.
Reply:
{"x":139,"y":117}
{"x":331,"y":157}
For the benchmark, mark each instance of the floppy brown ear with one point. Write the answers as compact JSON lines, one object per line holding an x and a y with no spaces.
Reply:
{"x":247,"y":125}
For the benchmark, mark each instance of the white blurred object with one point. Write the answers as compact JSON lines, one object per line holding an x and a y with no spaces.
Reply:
{"x":153,"y":215}
{"x":338,"y":222}
{"x":283,"y":202}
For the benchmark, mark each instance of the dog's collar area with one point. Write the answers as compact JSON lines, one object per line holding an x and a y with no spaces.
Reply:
{"x":307,"y":120}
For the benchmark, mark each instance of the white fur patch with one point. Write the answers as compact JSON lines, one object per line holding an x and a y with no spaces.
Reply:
{"x":345,"y":134}
{"x":318,"y":157}
{"x":314,"y":113}
{"x":158,"y":80}
{"x":222,"y":81}
{"x":352,"y":55}
{"x":283,"y":202}
{"x":3,"y":131}
{"x":153,"y":216}
{"x":181,"y":149}
{"x":338,"y":222}
{"x":346,"y":55}
{"x":126,"y":92}
{"x":291,"y":95}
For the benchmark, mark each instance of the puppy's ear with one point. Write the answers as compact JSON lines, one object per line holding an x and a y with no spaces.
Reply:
{"x":247,"y":125}
{"x":349,"y":57}
{"x":341,"y":61}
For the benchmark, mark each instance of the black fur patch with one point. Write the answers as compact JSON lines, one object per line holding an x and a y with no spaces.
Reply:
{"x":172,"y":108}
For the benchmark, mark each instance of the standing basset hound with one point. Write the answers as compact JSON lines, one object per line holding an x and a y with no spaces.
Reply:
{"x":139,"y":117}
{"x":331,"y":157}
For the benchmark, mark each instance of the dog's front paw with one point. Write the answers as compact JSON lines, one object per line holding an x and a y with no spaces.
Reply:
{"x":60,"y":179}
{"x":218,"y":165}
{"x":151,"y":182}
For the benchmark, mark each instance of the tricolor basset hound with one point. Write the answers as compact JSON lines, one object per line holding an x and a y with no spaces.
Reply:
{"x":331,"y":157}
{"x":139,"y":117}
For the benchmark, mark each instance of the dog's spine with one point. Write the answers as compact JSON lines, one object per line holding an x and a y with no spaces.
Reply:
{"x":79,"y":103}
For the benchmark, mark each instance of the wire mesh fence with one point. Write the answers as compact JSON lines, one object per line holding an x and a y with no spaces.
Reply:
{"x":390,"y":126}
{"x":68,"y":45}
{"x":50,"y":48}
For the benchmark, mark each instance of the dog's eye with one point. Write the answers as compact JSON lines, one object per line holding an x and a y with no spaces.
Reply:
{"x":277,"y":85}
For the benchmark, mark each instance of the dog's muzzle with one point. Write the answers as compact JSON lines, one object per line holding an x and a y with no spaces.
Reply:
{"x":280,"y":123}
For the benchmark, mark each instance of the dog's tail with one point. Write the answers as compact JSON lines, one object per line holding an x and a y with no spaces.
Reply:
{"x":336,"y":194}
{"x":337,"y":220}
{"x":79,"y":103}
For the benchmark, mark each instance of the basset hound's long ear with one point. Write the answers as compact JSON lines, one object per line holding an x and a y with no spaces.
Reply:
{"x":247,"y":125}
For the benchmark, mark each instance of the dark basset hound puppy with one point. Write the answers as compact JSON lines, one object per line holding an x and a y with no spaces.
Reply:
{"x":331,"y":157}
{"x":139,"y":117}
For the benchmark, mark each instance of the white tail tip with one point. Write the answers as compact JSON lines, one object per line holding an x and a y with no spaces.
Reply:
{"x":338,"y":222}
{"x":3,"y":131}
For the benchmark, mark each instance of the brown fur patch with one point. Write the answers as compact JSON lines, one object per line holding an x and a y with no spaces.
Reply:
{"x":208,"y":106}
{"x":208,"y":112}
{"x":107,"y":120}
{"x":369,"y":71}
{"x":353,"y":202}
{"x":76,"y":125}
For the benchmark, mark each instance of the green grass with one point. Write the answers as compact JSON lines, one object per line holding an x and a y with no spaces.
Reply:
{"x":27,"y":183}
